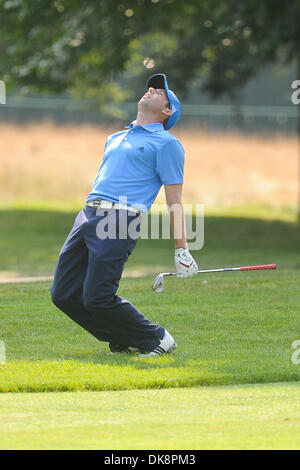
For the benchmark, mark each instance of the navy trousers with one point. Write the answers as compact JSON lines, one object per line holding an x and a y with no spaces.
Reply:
{"x":87,"y":278}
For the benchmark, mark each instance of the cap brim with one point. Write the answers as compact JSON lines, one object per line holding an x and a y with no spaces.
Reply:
{"x":158,"y":81}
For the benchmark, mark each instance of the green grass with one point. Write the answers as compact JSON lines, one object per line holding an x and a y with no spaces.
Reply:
{"x":237,"y":328}
{"x":30,"y":240}
{"x":230,"y":417}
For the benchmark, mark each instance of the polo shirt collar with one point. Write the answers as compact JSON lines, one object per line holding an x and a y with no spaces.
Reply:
{"x":153,"y":127}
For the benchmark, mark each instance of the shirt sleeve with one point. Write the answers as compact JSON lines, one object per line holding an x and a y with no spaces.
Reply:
{"x":170,"y":163}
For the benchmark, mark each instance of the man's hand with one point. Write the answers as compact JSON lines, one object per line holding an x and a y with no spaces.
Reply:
{"x":185,"y":263}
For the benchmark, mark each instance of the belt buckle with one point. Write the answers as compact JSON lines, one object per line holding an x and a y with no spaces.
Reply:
{"x":106,"y":204}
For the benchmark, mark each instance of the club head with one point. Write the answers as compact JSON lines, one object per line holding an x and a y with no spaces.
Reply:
{"x":158,"y":284}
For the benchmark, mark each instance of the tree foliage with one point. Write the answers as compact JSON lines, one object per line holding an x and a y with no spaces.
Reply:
{"x":104,"y":49}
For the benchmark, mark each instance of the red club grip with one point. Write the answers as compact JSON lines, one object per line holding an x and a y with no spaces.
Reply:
{"x":261,"y":266}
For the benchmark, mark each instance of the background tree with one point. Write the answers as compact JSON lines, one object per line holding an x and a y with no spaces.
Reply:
{"x":85,"y":47}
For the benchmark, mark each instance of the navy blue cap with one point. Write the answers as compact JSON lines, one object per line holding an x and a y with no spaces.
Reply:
{"x":159,"y":80}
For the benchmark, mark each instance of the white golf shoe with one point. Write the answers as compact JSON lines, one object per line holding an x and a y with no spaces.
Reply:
{"x":166,"y":345}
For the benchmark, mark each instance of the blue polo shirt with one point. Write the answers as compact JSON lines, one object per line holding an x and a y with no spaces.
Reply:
{"x":136,"y":162}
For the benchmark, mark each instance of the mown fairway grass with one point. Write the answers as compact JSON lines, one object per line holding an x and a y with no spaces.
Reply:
{"x":231,"y":417}
{"x":237,"y":328}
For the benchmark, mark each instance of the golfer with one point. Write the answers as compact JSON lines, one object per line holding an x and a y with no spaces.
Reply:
{"x":137,"y":162}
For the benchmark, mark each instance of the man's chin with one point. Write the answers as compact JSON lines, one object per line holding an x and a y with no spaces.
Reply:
{"x":143,"y":104}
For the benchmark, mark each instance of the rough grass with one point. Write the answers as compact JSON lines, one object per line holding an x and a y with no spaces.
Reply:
{"x":48,"y":162}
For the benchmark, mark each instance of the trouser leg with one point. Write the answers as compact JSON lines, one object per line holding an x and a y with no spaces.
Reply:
{"x":86,"y":281}
{"x":69,"y":299}
{"x":66,"y":290}
{"x":105,"y":267}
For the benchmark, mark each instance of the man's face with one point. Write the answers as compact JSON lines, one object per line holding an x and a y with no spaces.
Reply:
{"x":154,"y":100}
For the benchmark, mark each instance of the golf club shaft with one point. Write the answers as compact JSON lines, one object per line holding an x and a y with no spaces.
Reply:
{"x":241,"y":268}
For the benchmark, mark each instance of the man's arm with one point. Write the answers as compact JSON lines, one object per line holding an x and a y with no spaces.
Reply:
{"x":173,"y":198}
{"x":184,"y":261}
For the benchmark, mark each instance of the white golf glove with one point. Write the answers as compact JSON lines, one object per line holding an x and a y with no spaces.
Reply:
{"x":185,"y":263}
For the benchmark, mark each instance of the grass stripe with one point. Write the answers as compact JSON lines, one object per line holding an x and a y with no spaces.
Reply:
{"x":230,"y":417}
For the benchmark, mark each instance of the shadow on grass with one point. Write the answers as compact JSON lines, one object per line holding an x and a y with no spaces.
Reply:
{"x":30,"y":241}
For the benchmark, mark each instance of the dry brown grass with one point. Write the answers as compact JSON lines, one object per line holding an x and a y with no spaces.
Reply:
{"x":46,"y":162}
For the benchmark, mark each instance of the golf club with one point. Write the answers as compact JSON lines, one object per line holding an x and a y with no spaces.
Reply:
{"x":158,"y":283}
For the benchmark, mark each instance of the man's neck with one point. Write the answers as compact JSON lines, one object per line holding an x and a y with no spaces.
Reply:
{"x":143,"y":119}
